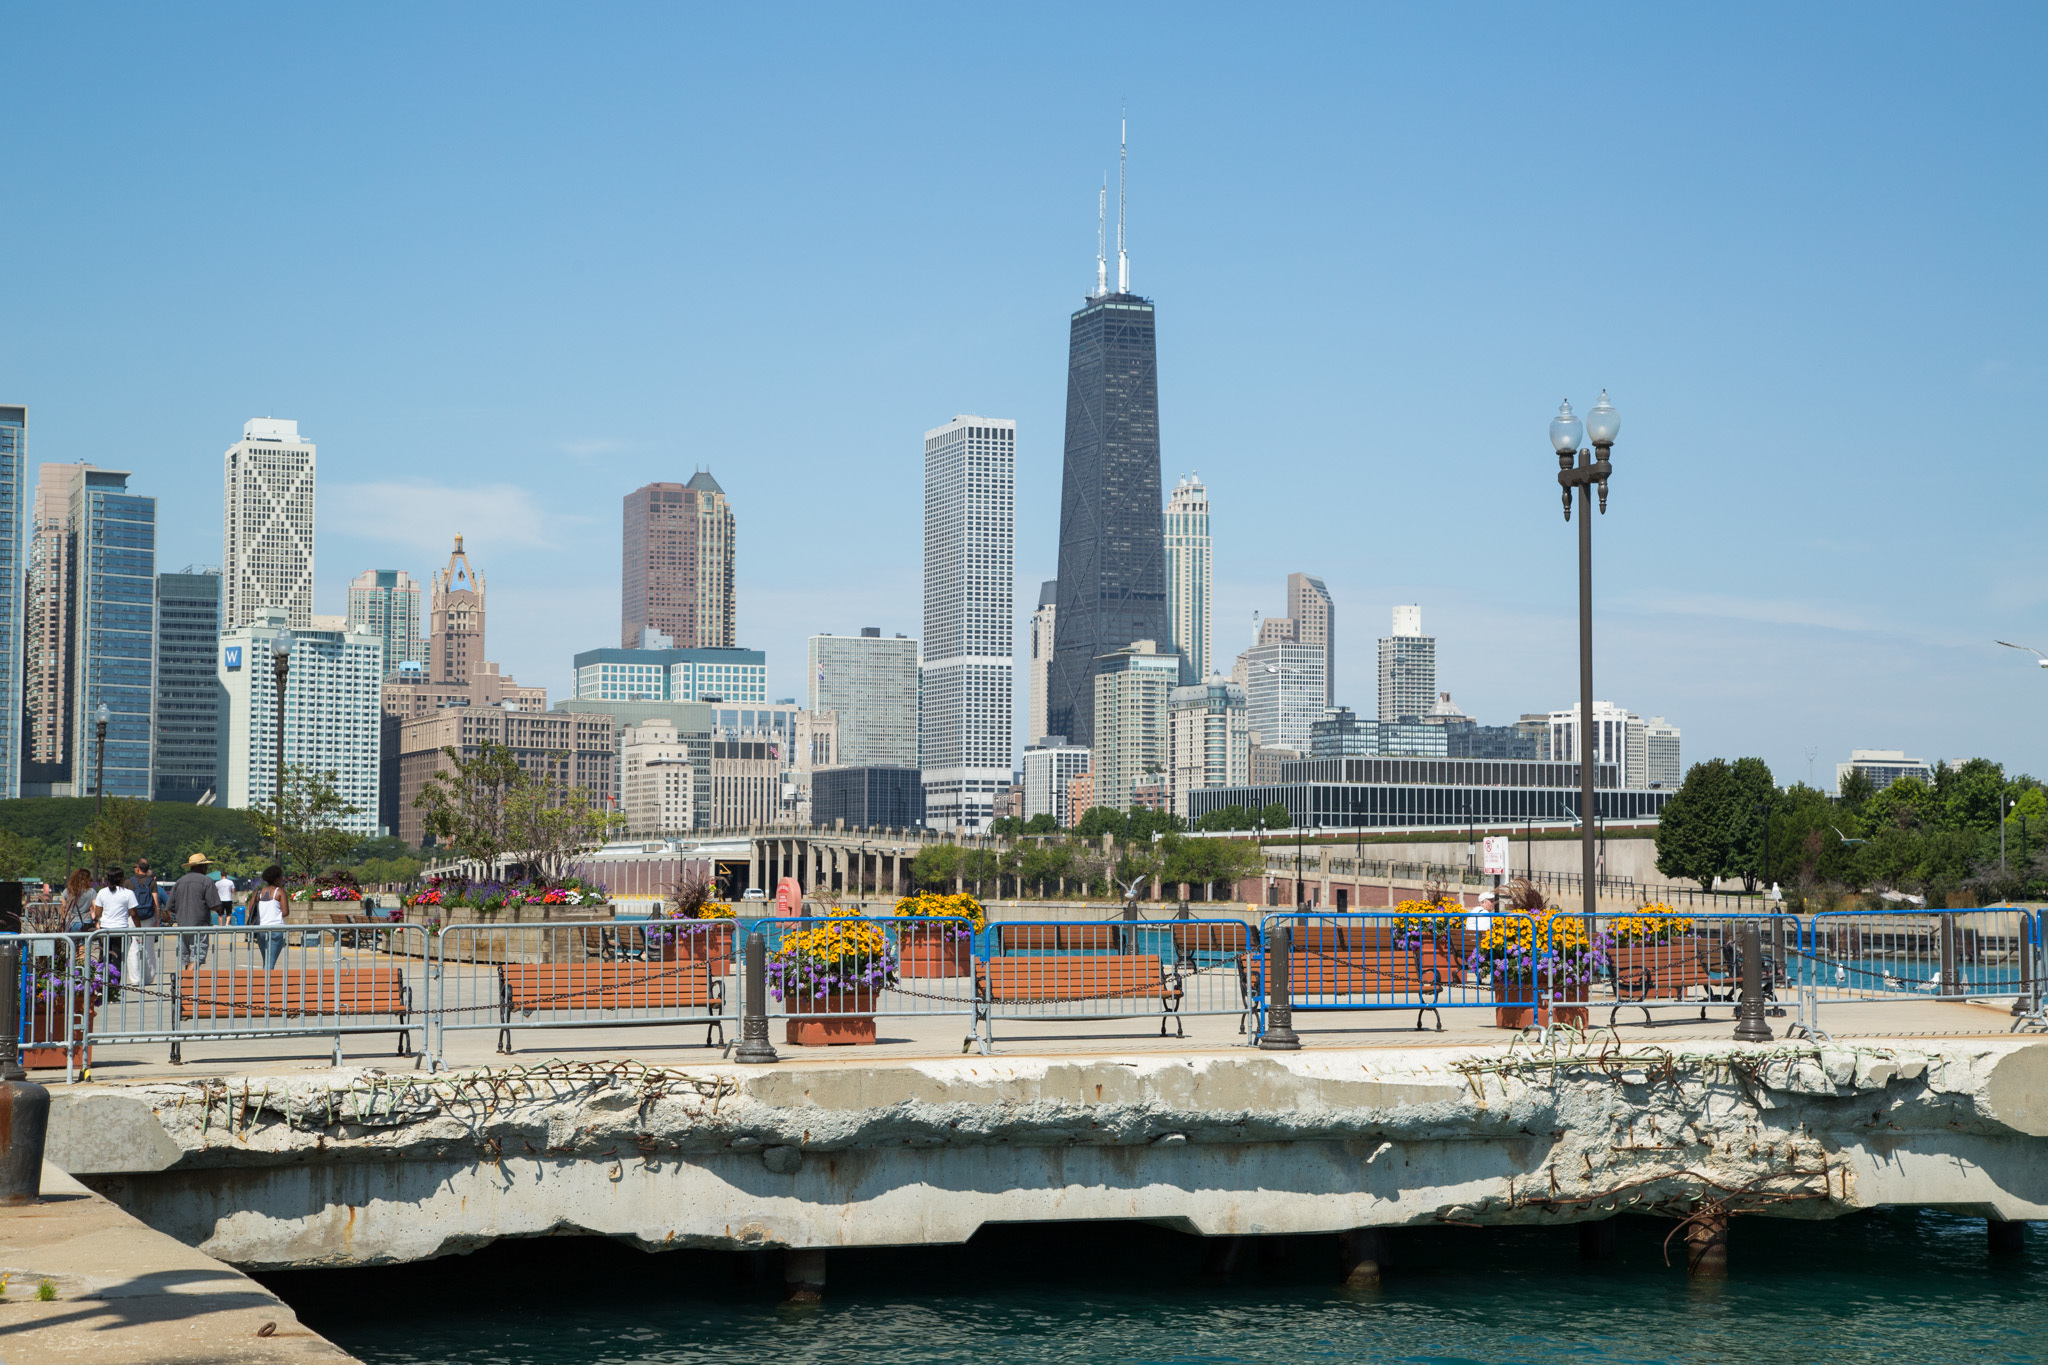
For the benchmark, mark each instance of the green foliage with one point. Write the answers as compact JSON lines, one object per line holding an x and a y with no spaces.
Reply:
{"x":1042,"y":823}
{"x":1006,"y":826}
{"x":1275,"y":816}
{"x":119,"y":835}
{"x":1215,"y":864}
{"x":1752,"y":793}
{"x":1142,"y":824}
{"x":1099,"y":821}
{"x":306,"y":827}
{"x":464,"y":806}
{"x":18,"y":856}
{"x":55,"y":826}
{"x":1228,"y":818}
{"x":1692,"y":831}
{"x":551,"y":823}
{"x":935,"y":867}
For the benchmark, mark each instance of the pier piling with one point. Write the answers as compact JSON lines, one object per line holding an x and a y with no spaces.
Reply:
{"x":1596,"y":1240}
{"x":2005,"y":1238}
{"x":803,"y":1275}
{"x":1359,"y":1254}
{"x":1706,"y":1245}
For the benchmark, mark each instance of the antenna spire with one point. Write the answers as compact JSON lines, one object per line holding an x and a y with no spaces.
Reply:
{"x":1123,"y":257}
{"x":1101,"y":266}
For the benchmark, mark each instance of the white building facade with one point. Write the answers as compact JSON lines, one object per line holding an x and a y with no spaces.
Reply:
{"x":1041,"y":653}
{"x":1208,"y":740}
{"x":1188,"y":574}
{"x":871,"y":683}
{"x":967,"y":712}
{"x":332,"y":715}
{"x":267,"y":525}
{"x":1407,"y":667}
{"x":657,"y":779}
{"x":1619,"y":738}
{"x":1662,"y":764}
{"x":1133,"y":690}
{"x":1883,"y":767}
{"x":1049,"y":771}
{"x":1283,"y":689}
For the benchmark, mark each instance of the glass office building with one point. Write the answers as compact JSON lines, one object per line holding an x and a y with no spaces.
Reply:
{"x":188,"y":690}
{"x":116,"y":634}
{"x":13,"y":508}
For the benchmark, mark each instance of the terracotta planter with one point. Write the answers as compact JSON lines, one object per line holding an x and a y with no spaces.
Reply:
{"x":830,"y":1022}
{"x":927,"y":950}
{"x":1521,"y":1013}
{"x":702,"y":941}
{"x":1437,"y":954}
{"x":44,"y":1048}
{"x":1559,"y":1006}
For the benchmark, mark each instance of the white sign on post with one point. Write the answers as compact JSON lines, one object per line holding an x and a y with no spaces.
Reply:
{"x":1495,"y":860}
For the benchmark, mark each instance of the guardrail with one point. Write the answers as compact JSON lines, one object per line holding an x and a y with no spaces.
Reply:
{"x":185,"y":985}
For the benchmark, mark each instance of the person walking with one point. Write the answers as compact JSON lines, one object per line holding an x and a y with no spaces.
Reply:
{"x":195,"y":900}
{"x":149,"y":898}
{"x":114,"y":908}
{"x":75,"y":913}
{"x":273,"y":903}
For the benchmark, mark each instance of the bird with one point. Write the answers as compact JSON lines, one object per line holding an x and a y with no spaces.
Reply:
{"x":2028,"y":648}
{"x":1846,"y":839}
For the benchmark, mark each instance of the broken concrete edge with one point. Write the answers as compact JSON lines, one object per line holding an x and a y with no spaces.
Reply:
{"x":561,"y":1109}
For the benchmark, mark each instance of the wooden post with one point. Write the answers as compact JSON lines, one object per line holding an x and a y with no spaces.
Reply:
{"x":1706,"y":1246}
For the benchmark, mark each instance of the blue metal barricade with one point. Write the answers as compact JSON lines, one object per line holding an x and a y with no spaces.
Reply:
{"x":1427,"y":963}
{"x":1090,"y":971}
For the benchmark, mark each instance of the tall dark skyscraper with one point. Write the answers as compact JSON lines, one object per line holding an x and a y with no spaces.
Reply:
{"x":1112,"y":580}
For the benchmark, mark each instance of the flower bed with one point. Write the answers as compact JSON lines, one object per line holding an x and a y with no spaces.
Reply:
{"x":946,"y":949}
{"x":1535,"y":958}
{"x":1654,"y":923}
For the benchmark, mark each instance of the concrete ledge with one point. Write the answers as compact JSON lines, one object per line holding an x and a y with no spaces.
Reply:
{"x":128,"y":1293}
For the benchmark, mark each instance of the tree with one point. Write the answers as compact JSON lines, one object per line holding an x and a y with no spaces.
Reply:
{"x":311,"y":836}
{"x":552,"y":823}
{"x":1006,"y":826}
{"x":1692,"y":830}
{"x":1276,"y":816}
{"x":1208,"y":862}
{"x":1228,"y":818}
{"x":1099,"y":821}
{"x":1041,"y":823}
{"x":935,"y":867}
{"x":1752,"y":794}
{"x":465,"y":806}
{"x":19,"y":857}
{"x":1141,"y":823}
{"x":118,"y":836}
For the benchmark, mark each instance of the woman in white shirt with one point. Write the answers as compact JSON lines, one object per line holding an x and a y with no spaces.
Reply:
{"x":272,"y":904}
{"x":114,"y":908}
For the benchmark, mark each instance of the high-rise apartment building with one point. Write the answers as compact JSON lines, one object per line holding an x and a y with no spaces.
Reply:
{"x":455,"y":640}
{"x":188,"y":691}
{"x":1112,"y":564}
{"x":1407,"y":667}
{"x":386,"y":602}
{"x":1049,"y":772}
{"x":15,"y":662}
{"x":1883,"y":767}
{"x":1618,"y":739}
{"x":332,"y":720}
{"x":562,"y":749}
{"x":1662,"y":766}
{"x":1208,"y":739}
{"x":1283,"y":688}
{"x":678,"y":565}
{"x":267,"y":525}
{"x":1133,"y":690}
{"x":46,"y":636}
{"x":1041,"y":654}
{"x":1188,"y":577}
{"x":738,"y":676}
{"x":967,"y":679}
{"x":872,"y":683}
{"x":1315,"y":625}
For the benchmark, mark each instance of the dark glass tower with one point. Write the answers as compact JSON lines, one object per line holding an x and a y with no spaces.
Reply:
{"x":1112,"y":583}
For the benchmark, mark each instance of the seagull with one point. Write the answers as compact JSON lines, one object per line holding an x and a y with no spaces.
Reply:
{"x":1932,"y":983}
{"x":1841,"y":974}
{"x":1846,"y":839}
{"x":2028,"y":648}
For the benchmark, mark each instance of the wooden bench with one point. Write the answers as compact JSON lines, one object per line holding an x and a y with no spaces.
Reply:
{"x":1665,"y":971}
{"x":1056,"y":938}
{"x":1058,"y":980}
{"x":524,"y":987}
{"x":293,"y":992}
{"x":1387,"y":971}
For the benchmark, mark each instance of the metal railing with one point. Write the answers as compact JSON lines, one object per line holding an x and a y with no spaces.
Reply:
{"x":185,"y":984}
{"x":1117,"y":970}
{"x":1378,"y":960}
{"x":1936,"y":955}
{"x":924,"y":968}
{"x":55,"y":993}
{"x":514,"y":978}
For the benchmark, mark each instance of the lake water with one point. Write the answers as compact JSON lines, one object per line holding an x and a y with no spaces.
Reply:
{"x":1898,"y":1288}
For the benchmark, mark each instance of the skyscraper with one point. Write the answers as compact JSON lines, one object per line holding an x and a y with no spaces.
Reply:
{"x":1208,"y":739}
{"x":456,"y":631}
{"x":1407,"y":667}
{"x":386,"y":602}
{"x":872,"y":683}
{"x":46,"y":635}
{"x":1133,"y":691}
{"x":1112,"y":564}
{"x":1188,"y":577}
{"x":267,"y":525}
{"x":677,"y":570}
{"x":967,"y":678}
{"x":330,"y":715}
{"x":1041,"y":655}
{"x":1315,"y":625}
{"x":1283,"y":688}
{"x":13,"y":597}
{"x":188,"y":690}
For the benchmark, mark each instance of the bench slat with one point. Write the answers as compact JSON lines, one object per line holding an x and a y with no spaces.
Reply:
{"x":250,"y":992}
{"x":1023,"y":979}
{"x":607,"y":985}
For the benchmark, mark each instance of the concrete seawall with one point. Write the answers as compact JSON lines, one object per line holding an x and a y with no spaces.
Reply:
{"x":360,"y":1167}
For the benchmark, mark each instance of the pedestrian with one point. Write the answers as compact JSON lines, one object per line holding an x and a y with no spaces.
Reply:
{"x":224,"y":887}
{"x":114,"y":908}
{"x":273,"y":903}
{"x":149,"y":904}
{"x":76,"y":912}
{"x":194,"y":902}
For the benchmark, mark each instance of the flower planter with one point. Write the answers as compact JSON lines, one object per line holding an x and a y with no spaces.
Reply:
{"x":45,"y":1047}
{"x":1514,"y":1004}
{"x":703,"y":941}
{"x":831,"y":1021}
{"x":1565,"y":1005}
{"x":930,"y":950}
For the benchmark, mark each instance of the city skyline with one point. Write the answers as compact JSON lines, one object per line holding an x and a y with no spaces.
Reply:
{"x":408,"y":356}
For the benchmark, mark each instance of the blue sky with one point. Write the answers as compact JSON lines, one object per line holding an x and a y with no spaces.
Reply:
{"x":507,"y":263}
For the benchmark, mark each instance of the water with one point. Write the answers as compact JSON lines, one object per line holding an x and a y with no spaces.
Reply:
{"x":1898,"y":1288}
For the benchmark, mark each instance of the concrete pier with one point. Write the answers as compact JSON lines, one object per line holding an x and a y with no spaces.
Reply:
{"x":300,"y":1169}
{"x":126,"y":1294}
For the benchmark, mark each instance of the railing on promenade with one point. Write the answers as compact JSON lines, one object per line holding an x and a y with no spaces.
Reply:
{"x":1688,"y":960}
{"x":515,"y":978}
{"x":829,"y":977}
{"x":1958,"y":955}
{"x":54,"y":994}
{"x":1376,"y":961}
{"x":1116,"y":970}
{"x":187,"y":984}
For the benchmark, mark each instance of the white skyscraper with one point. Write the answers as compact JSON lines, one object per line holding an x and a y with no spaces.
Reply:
{"x":1407,"y":667}
{"x":871,"y":683}
{"x":967,"y":677}
{"x":1041,"y":655}
{"x":1187,"y":577}
{"x":267,"y":528}
{"x":331,"y":714}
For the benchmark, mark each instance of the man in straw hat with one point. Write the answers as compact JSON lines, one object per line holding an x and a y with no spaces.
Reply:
{"x":194,"y":903}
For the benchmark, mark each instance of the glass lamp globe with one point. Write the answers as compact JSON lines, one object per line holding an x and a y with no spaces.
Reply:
{"x":103,"y":715}
{"x":1566,"y":431}
{"x":1603,"y":422}
{"x":281,"y":646}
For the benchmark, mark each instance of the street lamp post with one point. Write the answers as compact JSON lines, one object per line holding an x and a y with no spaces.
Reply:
{"x":1583,"y":469}
{"x":99,"y":781}
{"x":280,"y":668}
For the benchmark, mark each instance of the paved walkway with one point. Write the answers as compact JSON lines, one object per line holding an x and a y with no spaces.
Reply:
{"x":128,"y":1293}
